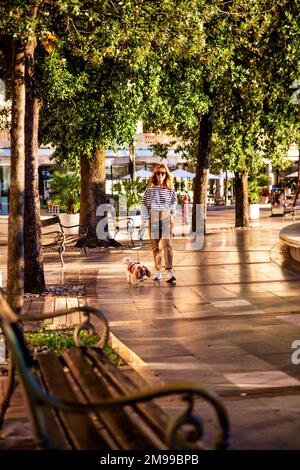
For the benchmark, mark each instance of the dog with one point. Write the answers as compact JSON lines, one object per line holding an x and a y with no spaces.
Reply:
{"x":136,"y":271}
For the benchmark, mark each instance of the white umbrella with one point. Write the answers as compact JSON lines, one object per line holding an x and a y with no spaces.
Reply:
{"x":139,"y":174}
{"x":292,"y":175}
{"x":182,"y":174}
{"x":213,"y":177}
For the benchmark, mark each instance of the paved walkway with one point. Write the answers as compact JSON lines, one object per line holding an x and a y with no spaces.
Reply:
{"x":229,"y":323}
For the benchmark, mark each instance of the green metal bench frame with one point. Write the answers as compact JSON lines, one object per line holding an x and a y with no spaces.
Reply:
{"x":62,"y":392}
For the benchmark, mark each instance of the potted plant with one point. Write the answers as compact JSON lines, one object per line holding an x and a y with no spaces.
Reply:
{"x":130,"y":206}
{"x":65,"y":192}
{"x":264,"y":194}
{"x":262,"y":183}
{"x":133,"y":191}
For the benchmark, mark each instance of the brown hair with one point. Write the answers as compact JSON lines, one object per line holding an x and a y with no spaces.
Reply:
{"x":168,"y":180}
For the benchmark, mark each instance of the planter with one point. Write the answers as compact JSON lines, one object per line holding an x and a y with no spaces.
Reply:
{"x":70,"y":219}
{"x":254,"y":211}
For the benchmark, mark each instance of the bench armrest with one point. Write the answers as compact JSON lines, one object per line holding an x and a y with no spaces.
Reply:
{"x":57,"y":232}
{"x":57,"y":235}
{"x":128,"y":220}
{"x":82,"y":227}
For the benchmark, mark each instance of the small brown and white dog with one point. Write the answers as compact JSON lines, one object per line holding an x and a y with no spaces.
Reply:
{"x":136,"y":271}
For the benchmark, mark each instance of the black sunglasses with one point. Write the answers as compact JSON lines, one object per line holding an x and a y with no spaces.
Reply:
{"x":160,"y":173}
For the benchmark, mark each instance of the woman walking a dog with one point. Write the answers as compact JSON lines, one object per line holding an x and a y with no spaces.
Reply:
{"x":158,"y":207}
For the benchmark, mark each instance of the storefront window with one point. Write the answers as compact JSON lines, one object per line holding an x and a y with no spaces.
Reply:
{"x":119,"y":171}
{"x":4,"y":189}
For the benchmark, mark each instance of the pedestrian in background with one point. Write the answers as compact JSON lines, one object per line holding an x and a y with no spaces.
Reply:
{"x":186,"y":201}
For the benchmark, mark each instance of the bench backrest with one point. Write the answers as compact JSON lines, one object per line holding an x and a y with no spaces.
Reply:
{"x":50,"y":221}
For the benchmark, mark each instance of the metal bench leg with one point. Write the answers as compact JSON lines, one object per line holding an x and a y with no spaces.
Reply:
{"x":11,"y":385}
{"x":60,"y":252}
{"x":132,"y":242}
{"x":85,"y":246}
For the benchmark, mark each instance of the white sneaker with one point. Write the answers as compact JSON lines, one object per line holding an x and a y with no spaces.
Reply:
{"x":171,"y":276}
{"x":157,"y":276}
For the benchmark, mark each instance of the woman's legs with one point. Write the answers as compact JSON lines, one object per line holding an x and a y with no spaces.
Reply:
{"x":161,"y":237}
{"x":167,"y":238}
{"x":168,"y":252}
{"x":156,"y":253}
{"x":155,"y":235}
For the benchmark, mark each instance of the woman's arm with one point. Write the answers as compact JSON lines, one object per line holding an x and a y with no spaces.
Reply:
{"x":145,"y":207}
{"x":173,"y":204}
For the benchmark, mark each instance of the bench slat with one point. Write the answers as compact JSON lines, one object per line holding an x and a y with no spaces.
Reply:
{"x":150,"y":411}
{"x":50,"y":221}
{"x":115,"y":420}
{"x":58,"y":438}
{"x":81,"y":429}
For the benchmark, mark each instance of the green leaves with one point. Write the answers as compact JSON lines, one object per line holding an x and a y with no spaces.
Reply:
{"x":112,"y":63}
{"x":132,"y":189}
{"x":65,"y":191}
{"x":60,"y":340}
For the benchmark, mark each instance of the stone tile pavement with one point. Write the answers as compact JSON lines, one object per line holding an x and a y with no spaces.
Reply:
{"x":228,"y":323}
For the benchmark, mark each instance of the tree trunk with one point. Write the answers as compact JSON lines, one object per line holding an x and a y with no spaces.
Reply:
{"x":241,"y":199}
{"x":226,"y":190}
{"x":298,"y":181}
{"x":202,"y":169}
{"x":132,"y":160}
{"x":92,"y":192}
{"x":15,"y":259}
{"x":34,"y":280}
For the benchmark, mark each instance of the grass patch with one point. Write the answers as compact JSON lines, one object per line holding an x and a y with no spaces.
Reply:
{"x":58,"y":341}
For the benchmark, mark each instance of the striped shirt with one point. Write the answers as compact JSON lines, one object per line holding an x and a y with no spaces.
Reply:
{"x":158,"y":199}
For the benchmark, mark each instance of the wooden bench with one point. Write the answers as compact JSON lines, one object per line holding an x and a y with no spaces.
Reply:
{"x":58,"y":239}
{"x":80,"y":400}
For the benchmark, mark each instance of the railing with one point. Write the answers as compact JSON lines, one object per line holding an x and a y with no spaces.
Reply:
{"x":53,"y":209}
{"x":5,"y":135}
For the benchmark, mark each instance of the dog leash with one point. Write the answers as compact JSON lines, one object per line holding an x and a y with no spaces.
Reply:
{"x":141,"y":235}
